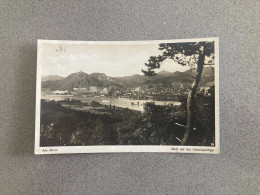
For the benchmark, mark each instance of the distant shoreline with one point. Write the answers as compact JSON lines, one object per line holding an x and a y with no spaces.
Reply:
{"x":108,"y":101}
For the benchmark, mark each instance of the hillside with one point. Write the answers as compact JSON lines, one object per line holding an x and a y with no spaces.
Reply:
{"x":163,"y":78}
{"x":52,"y":78}
{"x":130,"y":81}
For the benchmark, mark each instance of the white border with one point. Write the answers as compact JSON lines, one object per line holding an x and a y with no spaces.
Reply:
{"x":124,"y":148}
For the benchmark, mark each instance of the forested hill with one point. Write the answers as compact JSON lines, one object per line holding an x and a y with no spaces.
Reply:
{"x":163,"y":78}
{"x":52,"y":78}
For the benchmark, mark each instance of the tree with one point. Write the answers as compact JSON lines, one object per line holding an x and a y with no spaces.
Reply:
{"x":193,"y":54}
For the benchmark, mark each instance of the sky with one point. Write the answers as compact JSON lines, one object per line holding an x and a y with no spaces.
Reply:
{"x":113,"y":60}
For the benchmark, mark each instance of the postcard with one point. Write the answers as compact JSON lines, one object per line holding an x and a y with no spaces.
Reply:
{"x":127,"y":96}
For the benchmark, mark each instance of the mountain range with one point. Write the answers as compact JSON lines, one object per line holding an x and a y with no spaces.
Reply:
{"x":163,"y":78}
{"x":52,"y":78}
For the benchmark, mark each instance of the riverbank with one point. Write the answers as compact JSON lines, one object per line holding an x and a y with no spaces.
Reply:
{"x":132,"y":104}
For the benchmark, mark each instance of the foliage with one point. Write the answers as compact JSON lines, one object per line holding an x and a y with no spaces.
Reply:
{"x":95,"y":104}
{"x":157,"y":125}
{"x":62,"y":126}
{"x":185,"y":54}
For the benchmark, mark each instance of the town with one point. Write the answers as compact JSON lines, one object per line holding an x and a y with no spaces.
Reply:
{"x":158,"y":92}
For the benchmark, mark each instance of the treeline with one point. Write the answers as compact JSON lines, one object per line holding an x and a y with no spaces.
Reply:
{"x":62,"y":126}
{"x":157,"y":125}
{"x":159,"y":97}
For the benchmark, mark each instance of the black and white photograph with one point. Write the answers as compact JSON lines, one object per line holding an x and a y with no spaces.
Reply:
{"x":132,"y":96}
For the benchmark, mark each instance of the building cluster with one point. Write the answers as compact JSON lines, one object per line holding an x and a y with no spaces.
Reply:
{"x":144,"y":90}
{"x":90,"y":90}
{"x":154,"y":91}
{"x":60,"y":92}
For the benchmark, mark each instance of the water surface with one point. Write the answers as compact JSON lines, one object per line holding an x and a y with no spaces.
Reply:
{"x":118,"y":102}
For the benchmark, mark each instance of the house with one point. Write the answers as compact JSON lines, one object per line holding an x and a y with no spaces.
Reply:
{"x":80,"y":90}
{"x":137,"y":89}
{"x":59,"y":92}
{"x":104,"y":91}
{"x":93,"y":89}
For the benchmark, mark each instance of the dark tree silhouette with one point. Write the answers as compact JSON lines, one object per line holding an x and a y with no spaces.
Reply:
{"x":191,"y":54}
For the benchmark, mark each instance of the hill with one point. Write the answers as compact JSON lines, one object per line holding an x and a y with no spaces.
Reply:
{"x":164,"y":79}
{"x":52,"y":78}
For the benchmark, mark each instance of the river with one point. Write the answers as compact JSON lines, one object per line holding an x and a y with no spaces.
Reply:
{"x":118,"y":102}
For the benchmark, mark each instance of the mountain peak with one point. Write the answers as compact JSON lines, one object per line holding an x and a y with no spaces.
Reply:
{"x":80,"y":73}
{"x":52,"y":78}
{"x":99,"y":76}
{"x":163,"y":72}
{"x":97,"y":73}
